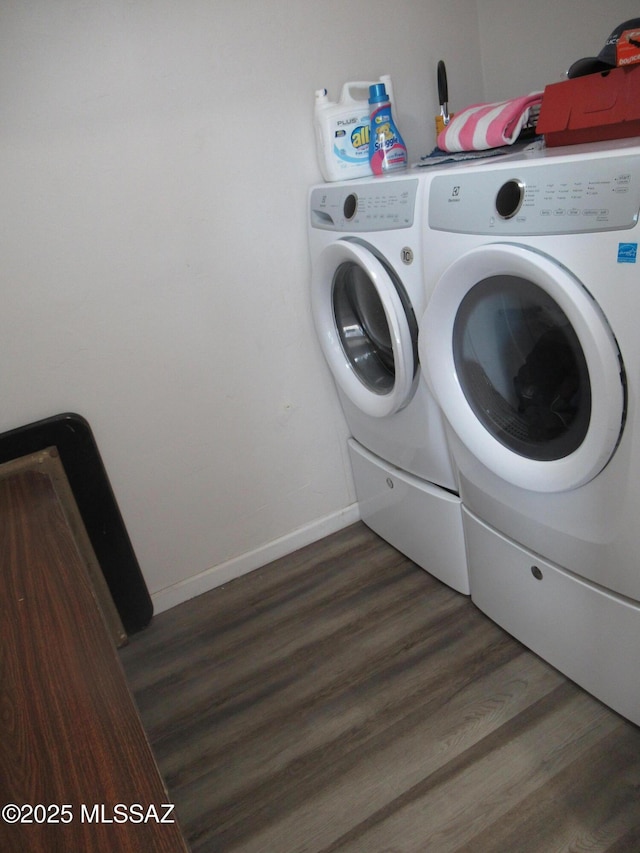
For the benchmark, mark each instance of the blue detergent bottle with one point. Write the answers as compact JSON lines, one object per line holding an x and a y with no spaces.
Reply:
{"x":387,"y":150}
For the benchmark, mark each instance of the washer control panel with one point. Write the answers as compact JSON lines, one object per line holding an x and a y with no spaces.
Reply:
{"x":378,"y":206}
{"x":555,"y":198}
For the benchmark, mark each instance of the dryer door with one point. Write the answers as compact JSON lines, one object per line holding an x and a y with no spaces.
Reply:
{"x":525,"y":367}
{"x":366,"y":325}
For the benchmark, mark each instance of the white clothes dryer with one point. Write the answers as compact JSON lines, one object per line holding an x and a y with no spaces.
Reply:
{"x":367,"y":293}
{"x":530,"y":344}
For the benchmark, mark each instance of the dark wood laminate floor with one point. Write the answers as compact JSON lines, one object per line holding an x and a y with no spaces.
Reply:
{"x":341,"y":699}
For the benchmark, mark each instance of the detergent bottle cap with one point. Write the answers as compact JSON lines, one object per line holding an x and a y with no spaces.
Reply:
{"x":378,"y":93}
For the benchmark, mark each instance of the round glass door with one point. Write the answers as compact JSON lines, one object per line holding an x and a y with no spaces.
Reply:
{"x":363,"y":328}
{"x":366,"y":327}
{"x":522,"y":368}
{"x":525,"y":367}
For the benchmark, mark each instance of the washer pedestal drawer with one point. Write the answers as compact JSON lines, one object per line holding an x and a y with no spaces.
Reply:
{"x":589,"y":634}
{"x":421,"y":520}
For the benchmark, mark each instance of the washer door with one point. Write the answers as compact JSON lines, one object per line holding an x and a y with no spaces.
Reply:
{"x":366,"y":325}
{"x":525,"y":367}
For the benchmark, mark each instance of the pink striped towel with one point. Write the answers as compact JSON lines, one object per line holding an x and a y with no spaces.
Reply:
{"x":484,"y":126}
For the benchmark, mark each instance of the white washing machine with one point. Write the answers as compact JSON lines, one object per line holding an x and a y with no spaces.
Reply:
{"x":367,"y":293}
{"x":531,"y":346}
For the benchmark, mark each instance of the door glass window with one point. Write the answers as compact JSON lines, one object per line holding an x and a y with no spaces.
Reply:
{"x":522,"y":368}
{"x":363,"y":327}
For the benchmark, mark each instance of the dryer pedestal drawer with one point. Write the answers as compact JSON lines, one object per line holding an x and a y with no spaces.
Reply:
{"x":421,"y":520}
{"x":590,"y":635}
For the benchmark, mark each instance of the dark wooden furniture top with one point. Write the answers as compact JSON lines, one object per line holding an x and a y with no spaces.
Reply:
{"x":70,"y":732}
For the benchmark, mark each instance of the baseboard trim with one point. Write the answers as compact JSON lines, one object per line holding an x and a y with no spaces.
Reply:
{"x":171,"y":596}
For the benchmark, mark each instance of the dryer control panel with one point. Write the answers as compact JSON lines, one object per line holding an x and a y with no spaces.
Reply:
{"x":555,"y":198}
{"x":377,"y":206}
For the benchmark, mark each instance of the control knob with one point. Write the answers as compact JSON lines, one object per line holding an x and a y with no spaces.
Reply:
{"x":509,"y":198}
{"x":350,"y":206}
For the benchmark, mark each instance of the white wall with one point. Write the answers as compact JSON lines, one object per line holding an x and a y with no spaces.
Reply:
{"x":155,"y":164}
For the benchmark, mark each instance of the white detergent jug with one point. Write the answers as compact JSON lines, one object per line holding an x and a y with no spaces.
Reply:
{"x":342,"y":130}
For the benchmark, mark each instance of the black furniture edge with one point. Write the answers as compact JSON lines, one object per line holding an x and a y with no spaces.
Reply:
{"x":72,"y":436}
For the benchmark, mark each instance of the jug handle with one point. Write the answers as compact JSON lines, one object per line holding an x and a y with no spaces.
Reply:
{"x":346,"y":97}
